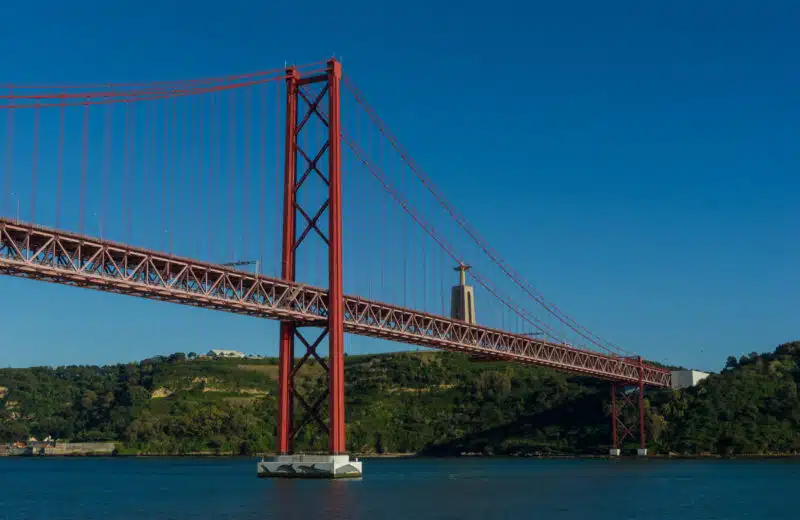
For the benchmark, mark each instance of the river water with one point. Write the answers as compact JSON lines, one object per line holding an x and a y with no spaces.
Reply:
{"x":418,"y":489}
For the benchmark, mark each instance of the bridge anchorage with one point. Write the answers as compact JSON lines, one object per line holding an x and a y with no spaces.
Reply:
{"x":310,"y":316}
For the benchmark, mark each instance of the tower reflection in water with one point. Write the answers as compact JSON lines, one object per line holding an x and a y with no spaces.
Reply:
{"x":296,"y":499}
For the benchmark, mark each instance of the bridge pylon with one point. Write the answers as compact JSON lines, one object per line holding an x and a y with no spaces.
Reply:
{"x":336,"y":464}
{"x":626,"y":397}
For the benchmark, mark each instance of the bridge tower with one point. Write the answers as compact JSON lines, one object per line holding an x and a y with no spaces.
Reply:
{"x":625,"y":400}
{"x":337,"y":463}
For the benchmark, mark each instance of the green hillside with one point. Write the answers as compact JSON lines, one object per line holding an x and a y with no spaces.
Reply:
{"x":752,"y":407}
{"x":430,"y":402}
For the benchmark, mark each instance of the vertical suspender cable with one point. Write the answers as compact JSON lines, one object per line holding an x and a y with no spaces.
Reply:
{"x":164,"y":157}
{"x":146,"y":161}
{"x":312,"y":136}
{"x":303,"y":135}
{"x":9,"y":166}
{"x":154,"y":161}
{"x":403,"y":239}
{"x":424,"y":275}
{"x":411,"y":263}
{"x":35,"y":162}
{"x":131,"y":172}
{"x":231,"y":172}
{"x":218,"y":161}
{"x":60,"y":182}
{"x":381,"y":238}
{"x":322,"y":132}
{"x":145,"y":188}
{"x":185,"y":184}
{"x":84,"y":161}
{"x":353,"y":164}
{"x":211,"y":163}
{"x":179,"y":194}
{"x":106,"y":166}
{"x":247,"y":164}
{"x":441,"y":277}
{"x":277,"y":252}
{"x":125,"y":173}
{"x":173,"y":150}
{"x":263,"y":174}
{"x":197,"y":176}
{"x":384,"y":241}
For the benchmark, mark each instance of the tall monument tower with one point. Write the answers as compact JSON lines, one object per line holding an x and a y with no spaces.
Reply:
{"x":462,"y":299}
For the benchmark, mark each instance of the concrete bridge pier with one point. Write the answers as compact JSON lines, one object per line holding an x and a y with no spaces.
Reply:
{"x":310,"y":466}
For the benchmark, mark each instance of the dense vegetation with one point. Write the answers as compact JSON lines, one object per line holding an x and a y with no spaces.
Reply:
{"x":752,"y":407}
{"x":437,"y":403}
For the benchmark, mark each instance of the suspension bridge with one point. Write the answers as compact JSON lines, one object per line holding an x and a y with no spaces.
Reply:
{"x":167,"y":190}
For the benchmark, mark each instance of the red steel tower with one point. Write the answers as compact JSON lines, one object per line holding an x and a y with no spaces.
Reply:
{"x":300,"y":108}
{"x":622,"y":426}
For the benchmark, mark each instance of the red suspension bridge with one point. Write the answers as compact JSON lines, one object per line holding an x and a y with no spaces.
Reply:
{"x":160,"y":189}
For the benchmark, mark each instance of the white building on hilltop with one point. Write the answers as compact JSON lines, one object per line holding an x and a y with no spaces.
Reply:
{"x":686,"y":378}
{"x":218,"y":353}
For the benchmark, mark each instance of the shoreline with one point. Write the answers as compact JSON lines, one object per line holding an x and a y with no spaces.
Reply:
{"x":376,"y":456}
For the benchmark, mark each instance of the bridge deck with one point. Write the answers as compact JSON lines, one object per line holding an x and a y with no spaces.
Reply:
{"x":67,"y":258}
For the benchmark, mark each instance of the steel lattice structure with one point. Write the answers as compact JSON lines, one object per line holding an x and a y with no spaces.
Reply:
{"x":63,"y":257}
{"x":297,"y":123}
{"x":622,"y":427}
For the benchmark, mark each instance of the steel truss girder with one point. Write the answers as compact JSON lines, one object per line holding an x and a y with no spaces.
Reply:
{"x":57,"y":256}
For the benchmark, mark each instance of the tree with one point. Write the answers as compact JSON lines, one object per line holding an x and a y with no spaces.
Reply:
{"x":731,"y":363}
{"x":177,"y":357}
{"x":13,"y":431}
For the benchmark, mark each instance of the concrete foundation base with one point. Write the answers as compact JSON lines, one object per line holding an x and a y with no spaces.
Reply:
{"x":642,"y":452}
{"x":310,"y":466}
{"x":614,"y":452}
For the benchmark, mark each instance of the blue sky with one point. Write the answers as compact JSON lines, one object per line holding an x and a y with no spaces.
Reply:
{"x":637,"y":163}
